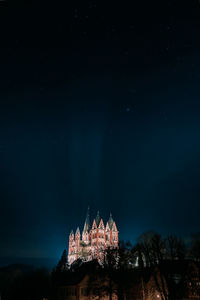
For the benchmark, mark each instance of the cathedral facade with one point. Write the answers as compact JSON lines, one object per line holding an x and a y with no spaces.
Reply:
{"x":94,"y":239}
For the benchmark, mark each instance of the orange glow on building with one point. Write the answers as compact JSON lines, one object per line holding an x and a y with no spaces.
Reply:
{"x":94,"y":240}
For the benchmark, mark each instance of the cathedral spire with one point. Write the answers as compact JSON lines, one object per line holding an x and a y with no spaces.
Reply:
{"x":77,"y":231}
{"x":110,"y":221}
{"x":87,"y":221}
{"x":97,"y":219}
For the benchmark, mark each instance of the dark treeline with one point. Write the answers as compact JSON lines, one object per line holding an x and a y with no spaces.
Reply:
{"x":24,"y":282}
{"x":167,"y":266}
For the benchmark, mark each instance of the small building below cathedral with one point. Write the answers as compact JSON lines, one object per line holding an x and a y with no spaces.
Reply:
{"x":94,"y":239}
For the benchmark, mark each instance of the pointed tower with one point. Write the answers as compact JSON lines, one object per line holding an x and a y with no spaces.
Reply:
{"x":111,"y":233}
{"x":97,"y":237}
{"x":71,"y":250}
{"x":110,"y":221}
{"x":87,"y":221}
{"x":97,"y":219}
{"x":77,"y":242}
{"x":86,"y":228}
{"x":100,"y":238}
{"x":71,"y":240}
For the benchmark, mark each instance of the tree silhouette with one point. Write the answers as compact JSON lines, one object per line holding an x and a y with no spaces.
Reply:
{"x":62,"y":264}
{"x":194,"y":251}
{"x":175,"y":248}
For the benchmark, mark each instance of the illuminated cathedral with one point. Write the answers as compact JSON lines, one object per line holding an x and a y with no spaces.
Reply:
{"x":94,"y":239}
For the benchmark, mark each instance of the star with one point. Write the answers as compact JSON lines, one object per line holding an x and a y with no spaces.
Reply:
{"x":128,"y":108}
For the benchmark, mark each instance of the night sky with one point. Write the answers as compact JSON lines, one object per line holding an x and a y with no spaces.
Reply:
{"x":99,"y":106}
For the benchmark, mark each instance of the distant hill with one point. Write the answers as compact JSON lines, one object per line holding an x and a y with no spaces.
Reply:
{"x":48,"y":263}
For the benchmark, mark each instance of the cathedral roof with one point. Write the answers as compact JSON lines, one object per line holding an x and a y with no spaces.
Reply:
{"x":97,"y":219}
{"x":87,"y":221}
{"x":110,"y":221}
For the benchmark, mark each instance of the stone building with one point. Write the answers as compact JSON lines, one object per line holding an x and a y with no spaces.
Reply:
{"x":94,"y":239}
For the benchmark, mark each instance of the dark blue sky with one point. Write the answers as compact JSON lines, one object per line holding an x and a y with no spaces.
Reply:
{"x":98,"y":107}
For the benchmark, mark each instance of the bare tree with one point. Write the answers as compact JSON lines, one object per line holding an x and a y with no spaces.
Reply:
{"x":195,"y":247}
{"x":175,"y":248}
{"x":151,"y":251}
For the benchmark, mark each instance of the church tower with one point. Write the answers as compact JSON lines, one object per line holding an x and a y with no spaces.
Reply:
{"x":71,"y":251}
{"x":111,"y":233}
{"x":86,"y":228}
{"x":77,"y":242}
